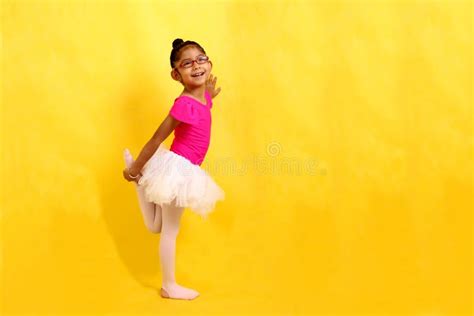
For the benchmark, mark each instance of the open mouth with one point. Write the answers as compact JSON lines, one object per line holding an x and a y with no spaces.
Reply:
{"x":198,"y":74}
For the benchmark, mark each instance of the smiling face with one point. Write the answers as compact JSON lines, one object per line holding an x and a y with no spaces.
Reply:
{"x":196,"y":75}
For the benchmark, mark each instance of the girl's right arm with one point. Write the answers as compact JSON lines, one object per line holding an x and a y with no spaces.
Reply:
{"x":163,"y":131}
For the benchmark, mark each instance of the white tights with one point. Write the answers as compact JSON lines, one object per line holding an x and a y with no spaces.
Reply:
{"x":163,"y":219}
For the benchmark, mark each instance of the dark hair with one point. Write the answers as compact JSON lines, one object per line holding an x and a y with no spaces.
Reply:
{"x":178,"y":44}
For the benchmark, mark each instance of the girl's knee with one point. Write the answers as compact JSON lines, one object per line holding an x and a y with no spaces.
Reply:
{"x":171,"y":233}
{"x":155,"y":230}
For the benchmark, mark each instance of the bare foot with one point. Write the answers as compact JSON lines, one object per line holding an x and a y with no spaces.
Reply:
{"x":177,"y":291}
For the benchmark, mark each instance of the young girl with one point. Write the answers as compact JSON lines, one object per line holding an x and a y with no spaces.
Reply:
{"x":167,"y":181}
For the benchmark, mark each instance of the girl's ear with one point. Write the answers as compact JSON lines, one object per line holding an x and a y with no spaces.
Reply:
{"x":175,"y":75}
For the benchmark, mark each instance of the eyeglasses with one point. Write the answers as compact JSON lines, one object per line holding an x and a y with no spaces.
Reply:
{"x":187,"y":63}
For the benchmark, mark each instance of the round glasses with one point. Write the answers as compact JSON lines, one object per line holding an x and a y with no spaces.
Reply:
{"x":187,"y":63}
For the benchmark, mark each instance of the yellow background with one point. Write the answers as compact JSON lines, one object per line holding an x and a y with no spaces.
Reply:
{"x":374,"y":96}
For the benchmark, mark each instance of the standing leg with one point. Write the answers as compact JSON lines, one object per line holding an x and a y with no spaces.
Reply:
{"x":151,"y":212}
{"x":171,"y":222}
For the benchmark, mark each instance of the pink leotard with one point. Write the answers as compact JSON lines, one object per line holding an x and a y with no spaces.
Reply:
{"x":192,"y":136}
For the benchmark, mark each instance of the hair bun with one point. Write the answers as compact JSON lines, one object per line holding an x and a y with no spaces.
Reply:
{"x":177,"y":42}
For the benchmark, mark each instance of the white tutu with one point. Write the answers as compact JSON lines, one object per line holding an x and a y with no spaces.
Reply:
{"x":168,"y":176}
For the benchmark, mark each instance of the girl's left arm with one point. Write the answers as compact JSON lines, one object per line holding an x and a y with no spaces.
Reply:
{"x":211,"y":86}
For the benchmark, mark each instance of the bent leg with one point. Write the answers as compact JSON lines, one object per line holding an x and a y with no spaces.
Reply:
{"x":151,"y":212}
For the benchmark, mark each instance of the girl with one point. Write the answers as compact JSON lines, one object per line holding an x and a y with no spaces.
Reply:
{"x":167,"y":181}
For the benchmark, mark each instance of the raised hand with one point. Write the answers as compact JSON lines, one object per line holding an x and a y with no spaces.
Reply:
{"x":211,"y":86}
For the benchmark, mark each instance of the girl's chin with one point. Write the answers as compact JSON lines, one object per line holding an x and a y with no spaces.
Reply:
{"x":198,"y":79}
{"x":195,"y":84}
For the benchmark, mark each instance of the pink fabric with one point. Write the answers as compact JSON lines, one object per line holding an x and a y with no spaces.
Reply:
{"x":192,"y":136}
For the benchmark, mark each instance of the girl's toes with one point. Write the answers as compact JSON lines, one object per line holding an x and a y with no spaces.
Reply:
{"x":128,"y":158}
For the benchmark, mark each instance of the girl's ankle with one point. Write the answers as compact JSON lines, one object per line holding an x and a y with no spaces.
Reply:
{"x":168,"y":284}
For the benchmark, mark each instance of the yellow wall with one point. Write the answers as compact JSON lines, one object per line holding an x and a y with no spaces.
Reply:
{"x":373,"y":99}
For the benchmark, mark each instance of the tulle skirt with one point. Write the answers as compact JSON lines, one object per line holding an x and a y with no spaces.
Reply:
{"x":169,"y":177}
